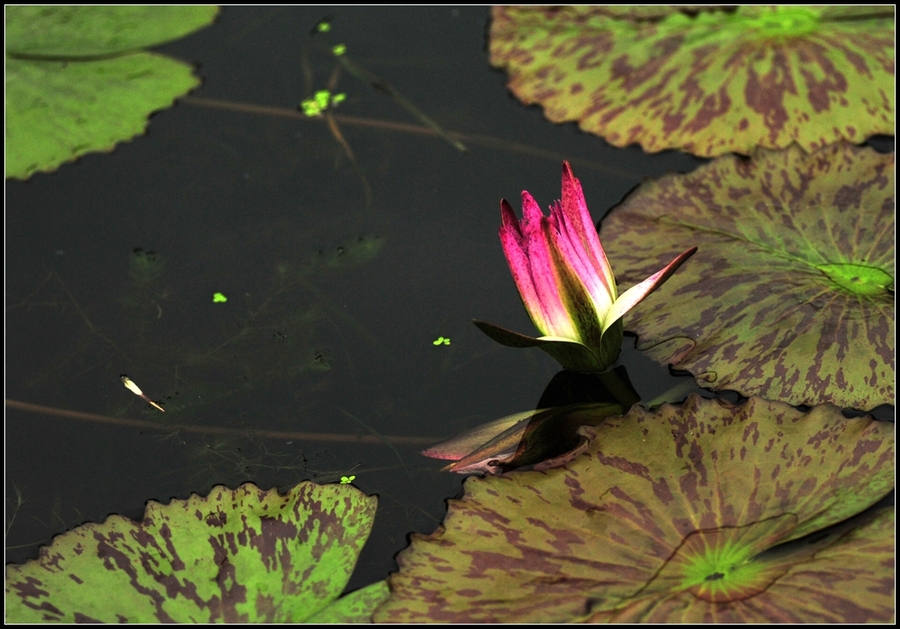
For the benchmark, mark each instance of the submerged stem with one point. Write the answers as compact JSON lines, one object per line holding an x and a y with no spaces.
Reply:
{"x":218,"y":430}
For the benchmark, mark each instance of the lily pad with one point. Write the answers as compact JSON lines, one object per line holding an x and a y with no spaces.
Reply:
{"x":664,"y":519}
{"x":243,"y":555}
{"x":74,"y":84}
{"x":717,"y":82}
{"x":791,"y":294}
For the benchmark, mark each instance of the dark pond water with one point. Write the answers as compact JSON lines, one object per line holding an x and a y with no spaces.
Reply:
{"x":338,"y":277}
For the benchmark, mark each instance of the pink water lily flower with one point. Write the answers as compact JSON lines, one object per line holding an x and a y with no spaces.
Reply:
{"x":566,"y":282}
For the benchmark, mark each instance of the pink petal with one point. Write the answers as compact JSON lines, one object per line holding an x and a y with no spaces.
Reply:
{"x":528,"y":255}
{"x":580,"y":259}
{"x":576,"y":277}
{"x":578,"y":220}
{"x":634,"y":295}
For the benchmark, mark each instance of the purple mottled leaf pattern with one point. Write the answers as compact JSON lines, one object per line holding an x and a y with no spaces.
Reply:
{"x":762,"y":308}
{"x":805,"y":573}
{"x":243,"y":555}
{"x":717,"y":82}
{"x":663,"y":519}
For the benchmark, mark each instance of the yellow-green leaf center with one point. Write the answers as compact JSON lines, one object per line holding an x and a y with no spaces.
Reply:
{"x":859,"y":279}
{"x":785,"y":22}
{"x":722,"y":572}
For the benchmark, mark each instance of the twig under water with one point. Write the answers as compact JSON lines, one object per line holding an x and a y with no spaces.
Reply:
{"x":390,"y":440}
{"x":402,"y":127}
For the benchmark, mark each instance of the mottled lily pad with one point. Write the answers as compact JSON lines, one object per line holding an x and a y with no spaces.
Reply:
{"x":243,"y":555}
{"x":791,"y":294}
{"x":717,"y":82}
{"x":664,"y":519}
{"x":75,"y":82}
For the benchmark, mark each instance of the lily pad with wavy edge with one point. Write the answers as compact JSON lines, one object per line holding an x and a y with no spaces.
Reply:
{"x":74,"y":84}
{"x":723,"y":81}
{"x":662,"y":519}
{"x":243,"y":555}
{"x":791,"y":294}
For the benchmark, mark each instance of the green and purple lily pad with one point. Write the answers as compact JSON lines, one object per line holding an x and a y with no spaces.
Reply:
{"x":673,"y":515}
{"x":716,"y":82}
{"x":244,"y":555}
{"x":791,"y":295}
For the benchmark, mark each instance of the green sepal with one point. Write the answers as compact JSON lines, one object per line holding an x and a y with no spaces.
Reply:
{"x":570,"y":354}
